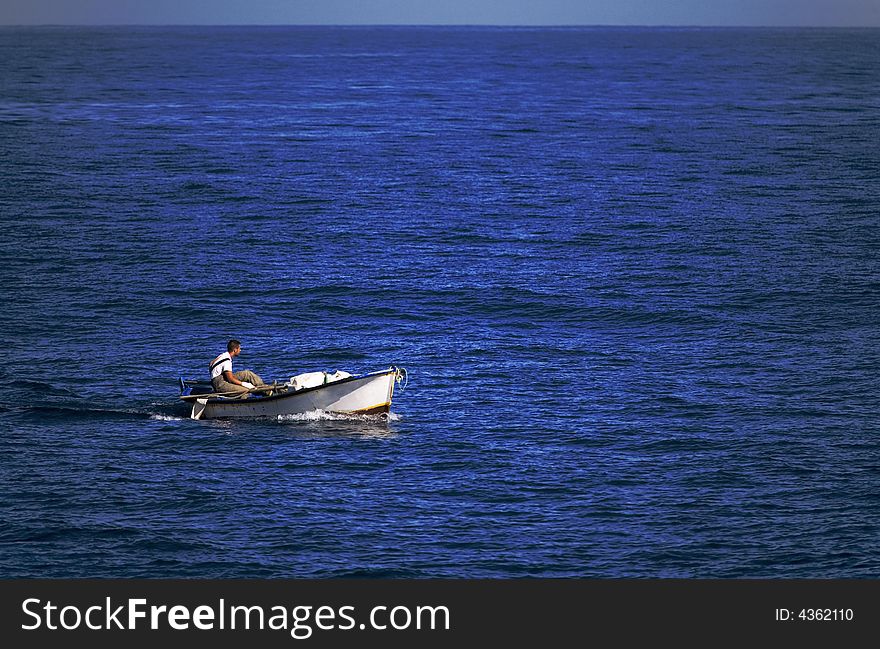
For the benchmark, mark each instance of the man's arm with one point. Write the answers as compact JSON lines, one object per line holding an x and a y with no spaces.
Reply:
{"x":230,"y":377}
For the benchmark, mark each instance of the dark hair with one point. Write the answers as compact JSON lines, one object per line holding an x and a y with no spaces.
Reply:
{"x":232,"y":344}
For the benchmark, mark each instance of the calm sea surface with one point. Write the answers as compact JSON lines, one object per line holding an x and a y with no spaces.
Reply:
{"x":634,"y":275}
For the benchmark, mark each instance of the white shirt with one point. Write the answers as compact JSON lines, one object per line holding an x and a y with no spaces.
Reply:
{"x":220,"y":364}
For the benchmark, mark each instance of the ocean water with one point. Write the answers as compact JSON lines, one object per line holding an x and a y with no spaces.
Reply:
{"x":633,"y":275}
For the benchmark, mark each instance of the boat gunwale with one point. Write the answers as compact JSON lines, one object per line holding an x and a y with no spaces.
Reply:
{"x":286,"y":395}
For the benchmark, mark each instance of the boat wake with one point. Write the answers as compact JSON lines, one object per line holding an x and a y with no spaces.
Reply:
{"x":321,"y":415}
{"x":84,"y":412}
{"x":75,"y":412}
{"x":44,"y":389}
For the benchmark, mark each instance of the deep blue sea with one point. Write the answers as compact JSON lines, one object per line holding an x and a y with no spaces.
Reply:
{"x":634,"y":275}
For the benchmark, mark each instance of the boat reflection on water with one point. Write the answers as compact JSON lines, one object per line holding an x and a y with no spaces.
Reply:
{"x":315,"y":425}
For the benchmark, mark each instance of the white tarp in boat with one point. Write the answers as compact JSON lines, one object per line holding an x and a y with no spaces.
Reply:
{"x":314,"y":379}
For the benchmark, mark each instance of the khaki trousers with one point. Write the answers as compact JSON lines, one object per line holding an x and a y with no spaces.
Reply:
{"x":238,"y":391}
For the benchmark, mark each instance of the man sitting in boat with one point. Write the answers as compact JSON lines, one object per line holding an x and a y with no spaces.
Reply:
{"x":233,"y":385}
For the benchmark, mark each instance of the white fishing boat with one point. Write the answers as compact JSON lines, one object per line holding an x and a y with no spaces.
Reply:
{"x":338,"y":392}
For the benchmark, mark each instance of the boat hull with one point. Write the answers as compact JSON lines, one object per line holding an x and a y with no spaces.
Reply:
{"x":367,"y":394}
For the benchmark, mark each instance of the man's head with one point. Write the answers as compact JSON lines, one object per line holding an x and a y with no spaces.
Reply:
{"x":233,"y":347}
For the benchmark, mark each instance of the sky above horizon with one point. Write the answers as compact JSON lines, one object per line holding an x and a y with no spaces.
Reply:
{"x":794,"y":13}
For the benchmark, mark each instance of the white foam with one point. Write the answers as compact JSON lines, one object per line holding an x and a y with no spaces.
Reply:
{"x":321,"y":415}
{"x":166,"y":418}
